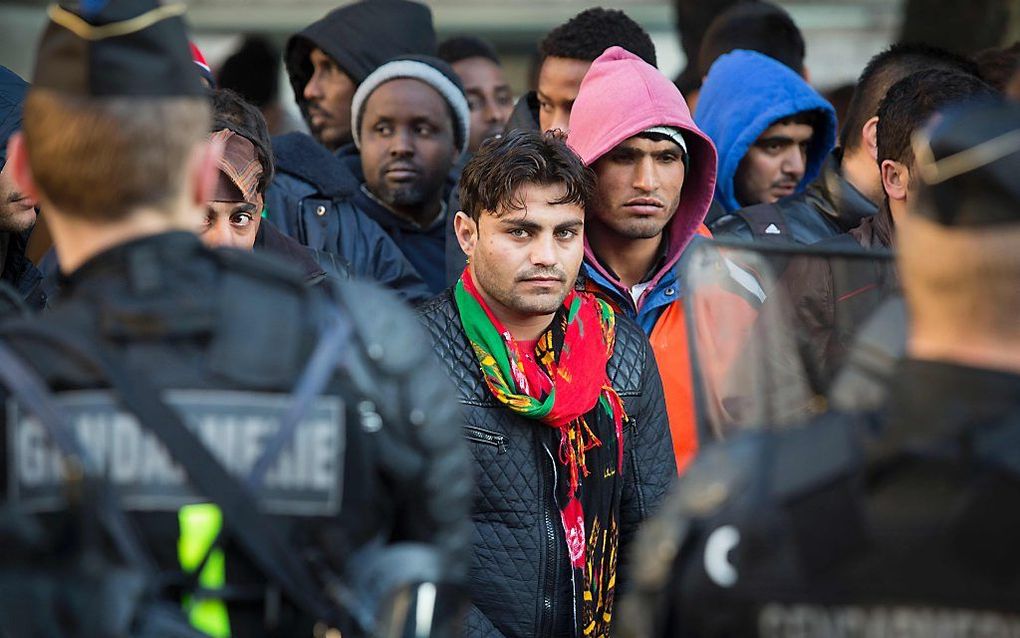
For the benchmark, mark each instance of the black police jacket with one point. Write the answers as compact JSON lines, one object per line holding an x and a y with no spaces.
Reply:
{"x":828,"y":207}
{"x":519,"y":575}
{"x":891,"y":524}
{"x":378,"y":457}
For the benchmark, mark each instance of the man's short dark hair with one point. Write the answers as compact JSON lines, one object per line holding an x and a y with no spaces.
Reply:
{"x":912,"y":101}
{"x":493,"y":178}
{"x":588,"y":34}
{"x":453,"y":50}
{"x":231,"y":112}
{"x":886,"y":69}
{"x":755,"y":26}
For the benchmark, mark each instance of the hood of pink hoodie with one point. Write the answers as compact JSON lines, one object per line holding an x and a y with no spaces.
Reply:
{"x":621,"y":96}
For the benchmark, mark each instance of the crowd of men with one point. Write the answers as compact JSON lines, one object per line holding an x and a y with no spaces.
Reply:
{"x":609,"y":359}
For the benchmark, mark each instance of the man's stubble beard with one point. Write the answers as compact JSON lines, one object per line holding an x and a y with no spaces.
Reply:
{"x":515,"y":302}
{"x":9,"y":222}
{"x":409,"y":195}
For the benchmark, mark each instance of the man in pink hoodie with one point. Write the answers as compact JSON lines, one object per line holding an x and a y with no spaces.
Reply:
{"x":655,"y":174}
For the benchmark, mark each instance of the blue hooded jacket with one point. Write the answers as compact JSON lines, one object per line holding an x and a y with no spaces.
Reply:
{"x":18,"y":271}
{"x":744,"y":94}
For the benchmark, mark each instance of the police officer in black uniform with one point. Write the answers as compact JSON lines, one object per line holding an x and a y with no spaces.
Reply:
{"x":899,"y":523}
{"x":194,"y":441}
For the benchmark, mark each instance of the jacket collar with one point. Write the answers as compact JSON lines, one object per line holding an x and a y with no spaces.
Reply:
{"x":932,"y":401}
{"x":837,"y":198}
{"x":270,"y":240}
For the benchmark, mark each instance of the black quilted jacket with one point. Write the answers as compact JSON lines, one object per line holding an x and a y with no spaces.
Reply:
{"x":519,"y":574}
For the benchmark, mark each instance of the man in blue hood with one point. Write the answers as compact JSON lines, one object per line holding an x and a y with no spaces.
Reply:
{"x":17,"y":210}
{"x":771,"y":129}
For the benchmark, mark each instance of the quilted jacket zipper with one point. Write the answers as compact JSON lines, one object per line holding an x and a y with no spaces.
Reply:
{"x":552,"y":564}
{"x":488,"y":437}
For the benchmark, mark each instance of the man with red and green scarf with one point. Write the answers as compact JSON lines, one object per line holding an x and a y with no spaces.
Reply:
{"x":562,"y":398}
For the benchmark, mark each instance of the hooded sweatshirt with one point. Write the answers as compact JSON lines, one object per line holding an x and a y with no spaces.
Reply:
{"x":746,"y":92}
{"x":17,"y":270}
{"x":360,"y":37}
{"x":620,"y":97}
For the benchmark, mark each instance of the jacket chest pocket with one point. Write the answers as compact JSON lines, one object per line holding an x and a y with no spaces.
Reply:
{"x":486,"y":437}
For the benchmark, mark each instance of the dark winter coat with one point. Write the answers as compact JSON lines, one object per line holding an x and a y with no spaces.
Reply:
{"x":424,"y":247}
{"x":520,"y":575}
{"x":317,"y":265}
{"x":525,"y":114}
{"x":830,"y":298}
{"x":828,"y":207}
{"x":311,"y":199}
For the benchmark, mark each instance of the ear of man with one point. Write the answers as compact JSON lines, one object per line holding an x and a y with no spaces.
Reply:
{"x":869,"y":137}
{"x":894,"y":179}
{"x":21,"y":170}
{"x":466,"y":230}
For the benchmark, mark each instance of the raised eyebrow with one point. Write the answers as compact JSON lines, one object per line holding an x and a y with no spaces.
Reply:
{"x":244,"y":208}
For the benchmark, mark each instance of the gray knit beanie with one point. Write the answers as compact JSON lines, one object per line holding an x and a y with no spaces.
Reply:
{"x":431,"y":71}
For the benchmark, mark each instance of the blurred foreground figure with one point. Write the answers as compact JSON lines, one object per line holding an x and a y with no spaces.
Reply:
{"x":866,"y":525}
{"x":183,"y":478}
{"x":563,"y":402}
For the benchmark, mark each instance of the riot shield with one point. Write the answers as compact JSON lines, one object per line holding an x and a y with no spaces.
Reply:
{"x":769,"y":327}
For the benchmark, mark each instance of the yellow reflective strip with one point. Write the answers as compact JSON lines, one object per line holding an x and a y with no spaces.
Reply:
{"x":199,"y":526}
{"x":86,"y":31}
{"x":210,"y":617}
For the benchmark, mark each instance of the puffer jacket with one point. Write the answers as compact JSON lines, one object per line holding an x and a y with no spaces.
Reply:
{"x":311,"y":199}
{"x":828,"y":207}
{"x":519,"y":574}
